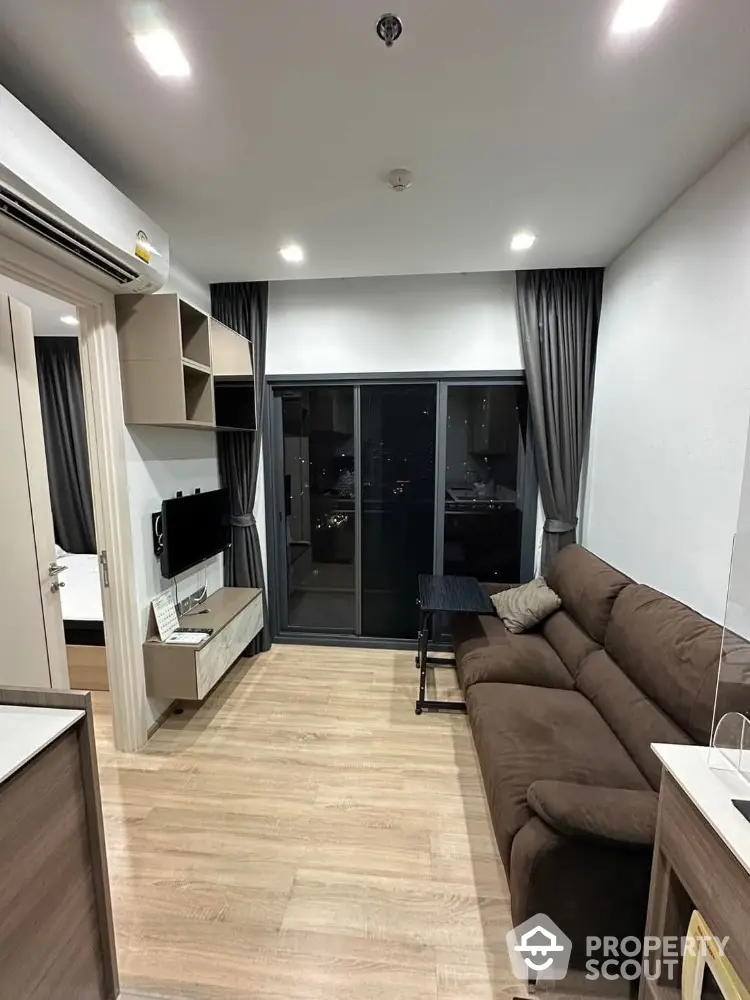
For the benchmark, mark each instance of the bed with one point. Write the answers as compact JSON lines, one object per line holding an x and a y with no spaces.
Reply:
{"x":83,"y":618}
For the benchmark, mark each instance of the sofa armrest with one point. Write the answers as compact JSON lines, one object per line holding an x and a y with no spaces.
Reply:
{"x":615,"y":815}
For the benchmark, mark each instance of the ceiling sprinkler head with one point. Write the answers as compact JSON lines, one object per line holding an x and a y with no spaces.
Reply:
{"x":389,"y":29}
{"x":400,"y":179}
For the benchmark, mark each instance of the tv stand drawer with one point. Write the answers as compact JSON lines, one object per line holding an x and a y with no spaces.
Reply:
{"x":214,"y":659}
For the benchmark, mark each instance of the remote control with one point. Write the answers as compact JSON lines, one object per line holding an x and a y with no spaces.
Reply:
{"x":203,"y":631}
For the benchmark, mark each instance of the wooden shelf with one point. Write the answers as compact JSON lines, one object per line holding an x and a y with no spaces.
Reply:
{"x":196,"y":366}
{"x":195,"y":334}
{"x":167,"y":352}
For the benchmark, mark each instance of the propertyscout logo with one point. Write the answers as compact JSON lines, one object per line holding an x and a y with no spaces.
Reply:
{"x":538,"y":949}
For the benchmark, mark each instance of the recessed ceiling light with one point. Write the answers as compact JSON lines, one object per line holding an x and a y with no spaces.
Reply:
{"x":522,"y":241}
{"x":162,"y":52}
{"x":69,"y":320}
{"x":634,"y":15}
{"x":292,"y":253}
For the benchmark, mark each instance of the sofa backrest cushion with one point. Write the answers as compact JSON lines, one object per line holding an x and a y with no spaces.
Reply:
{"x":588,"y":587}
{"x":571,"y":642}
{"x":634,"y":719}
{"x":670,"y":652}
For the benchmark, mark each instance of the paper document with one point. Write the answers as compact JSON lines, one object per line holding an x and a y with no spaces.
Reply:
{"x":165,"y":614}
{"x":188,"y":638}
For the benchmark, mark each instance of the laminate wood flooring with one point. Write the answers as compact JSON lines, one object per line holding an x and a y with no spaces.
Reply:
{"x":303,"y":834}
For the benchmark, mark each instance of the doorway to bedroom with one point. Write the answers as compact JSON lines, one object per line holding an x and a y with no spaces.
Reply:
{"x":44,"y":339}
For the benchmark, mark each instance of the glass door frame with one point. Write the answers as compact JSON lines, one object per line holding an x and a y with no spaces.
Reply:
{"x":273,"y":450}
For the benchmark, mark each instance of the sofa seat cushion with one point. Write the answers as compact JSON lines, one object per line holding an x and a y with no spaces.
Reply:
{"x":613,"y":815}
{"x":486,"y":651}
{"x":527,"y":734}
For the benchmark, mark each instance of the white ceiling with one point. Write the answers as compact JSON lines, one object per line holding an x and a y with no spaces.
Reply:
{"x":46,"y":311}
{"x":510,"y":113}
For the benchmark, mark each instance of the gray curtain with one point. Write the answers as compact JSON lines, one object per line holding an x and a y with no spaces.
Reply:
{"x":558,"y":316}
{"x":243,"y":306}
{"x":58,"y":366}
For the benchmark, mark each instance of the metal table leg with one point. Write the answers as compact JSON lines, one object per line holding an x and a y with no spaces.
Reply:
{"x":423,"y":704}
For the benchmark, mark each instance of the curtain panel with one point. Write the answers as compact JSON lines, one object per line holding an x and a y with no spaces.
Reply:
{"x":558,"y":318}
{"x":58,"y":364}
{"x":243,"y":306}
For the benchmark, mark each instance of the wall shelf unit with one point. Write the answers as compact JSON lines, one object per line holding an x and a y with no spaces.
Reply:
{"x":173,"y":361}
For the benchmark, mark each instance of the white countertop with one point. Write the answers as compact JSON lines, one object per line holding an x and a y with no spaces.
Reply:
{"x":24,"y":732}
{"x":711,"y":791}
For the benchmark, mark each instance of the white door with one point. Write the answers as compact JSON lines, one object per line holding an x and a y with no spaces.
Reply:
{"x":32,"y":637}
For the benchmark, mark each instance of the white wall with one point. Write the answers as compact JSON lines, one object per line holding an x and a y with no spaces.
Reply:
{"x":161,"y":461}
{"x":672,"y":393}
{"x":423,"y":323}
{"x":187,"y":287}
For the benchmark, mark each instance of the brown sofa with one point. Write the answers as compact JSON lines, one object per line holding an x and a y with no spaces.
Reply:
{"x":563,"y":719}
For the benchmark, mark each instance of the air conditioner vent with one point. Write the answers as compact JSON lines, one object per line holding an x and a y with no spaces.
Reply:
{"x":31,"y":217}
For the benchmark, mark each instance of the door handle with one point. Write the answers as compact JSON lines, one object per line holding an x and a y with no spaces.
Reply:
{"x":57,"y":585}
{"x":55,"y":569}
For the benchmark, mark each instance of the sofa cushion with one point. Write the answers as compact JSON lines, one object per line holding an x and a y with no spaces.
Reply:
{"x":588,"y":587}
{"x":614,"y":815}
{"x":526,"y":734}
{"x":486,"y":651}
{"x":670,"y":652}
{"x":571,"y":643}
{"x":633,"y":717}
{"x":522,"y":608}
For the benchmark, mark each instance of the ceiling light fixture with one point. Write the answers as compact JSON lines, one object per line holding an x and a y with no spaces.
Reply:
{"x":69,"y":320}
{"x":292,"y":253}
{"x":635,"y":15}
{"x":522,"y":241}
{"x":162,"y":52}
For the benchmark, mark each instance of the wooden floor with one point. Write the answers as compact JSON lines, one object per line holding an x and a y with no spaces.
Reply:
{"x":304,"y":835}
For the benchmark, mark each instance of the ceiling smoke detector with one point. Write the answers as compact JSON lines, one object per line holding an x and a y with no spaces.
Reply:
{"x":400,"y":179}
{"x":389,"y":29}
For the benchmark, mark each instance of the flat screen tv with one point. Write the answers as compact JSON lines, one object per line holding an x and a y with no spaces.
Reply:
{"x":193,"y":529}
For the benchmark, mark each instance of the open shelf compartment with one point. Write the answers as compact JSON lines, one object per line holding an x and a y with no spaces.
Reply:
{"x":199,"y":399}
{"x":195,"y":332}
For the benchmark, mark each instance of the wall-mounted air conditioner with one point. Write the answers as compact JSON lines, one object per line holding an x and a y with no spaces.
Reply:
{"x":52,"y":200}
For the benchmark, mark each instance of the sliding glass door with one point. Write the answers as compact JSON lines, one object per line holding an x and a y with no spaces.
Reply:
{"x":373,"y":482}
{"x":485,"y":461}
{"x":319,"y":518}
{"x":398,"y":503}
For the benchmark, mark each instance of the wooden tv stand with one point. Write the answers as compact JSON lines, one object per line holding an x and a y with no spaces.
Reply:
{"x":188,"y":673}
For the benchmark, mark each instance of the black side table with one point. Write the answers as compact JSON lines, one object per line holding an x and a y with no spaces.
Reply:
{"x":453,"y":594}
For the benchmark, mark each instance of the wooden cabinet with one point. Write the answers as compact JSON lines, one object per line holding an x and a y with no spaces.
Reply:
{"x":56,"y":929}
{"x":189,"y":672}
{"x":230,"y":353}
{"x":170,"y":353}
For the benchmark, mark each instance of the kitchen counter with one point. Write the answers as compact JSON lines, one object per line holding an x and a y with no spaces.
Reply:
{"x":57,"y":931}
{"x":25,"y":732}
{"x":711,"y":791}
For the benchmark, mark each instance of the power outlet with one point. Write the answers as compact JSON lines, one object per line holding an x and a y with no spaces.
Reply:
{"x":184,"y":606}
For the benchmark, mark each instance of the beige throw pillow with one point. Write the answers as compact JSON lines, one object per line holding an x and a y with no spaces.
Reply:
{"x":524,"y":607}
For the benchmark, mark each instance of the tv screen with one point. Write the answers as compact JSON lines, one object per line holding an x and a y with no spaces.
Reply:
{"x":194,"y":528}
